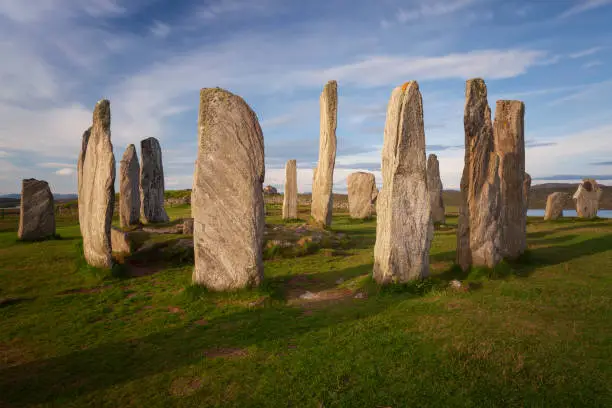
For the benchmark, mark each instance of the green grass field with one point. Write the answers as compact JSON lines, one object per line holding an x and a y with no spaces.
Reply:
{"x":534,"y":333}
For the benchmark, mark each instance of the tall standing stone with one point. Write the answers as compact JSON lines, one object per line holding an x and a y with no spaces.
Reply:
{"x":587,"y":198}
{"x":227,"y":198}
{"x":434,"y":184}
{"x":526,"y":190}
{"x":152,"y":182}
{"x":37,"y":212}
{"x":97,"y":189}
{"x":80,"y":162}
{"x":129,"y":192}
{"x":555,"y":203}
{"x":362,"y":194}
{"x":290,"y":198}
{"x":323,"y":178}
{"x":509,"y":137}
{"x":404,"y":229}
{"x":478,"y":238}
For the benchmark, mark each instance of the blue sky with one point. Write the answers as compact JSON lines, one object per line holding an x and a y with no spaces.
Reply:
{"x":151,"y":57}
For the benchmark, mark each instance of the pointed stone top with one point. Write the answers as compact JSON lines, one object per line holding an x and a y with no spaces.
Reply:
{"x":102,"y":113}
{"x":409,"y":84}
{"x":476,"y":86}
{"x":332,"y":82}
{"x":129,"y":153}
{"x":149,"y":141}
{"x":432,"y":157}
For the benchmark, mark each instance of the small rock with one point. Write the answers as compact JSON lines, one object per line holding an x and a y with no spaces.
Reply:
{"x":360,"y":295}
{"x":339,"y":281}
{"x":308,"y":295}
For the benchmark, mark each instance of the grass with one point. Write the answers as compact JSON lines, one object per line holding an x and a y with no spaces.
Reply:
{"x":535,"y":332}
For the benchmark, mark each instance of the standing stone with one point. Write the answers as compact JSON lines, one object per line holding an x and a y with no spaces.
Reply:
{"x":290,"y":198}
{"x":129,"y":193}
{"x":81,"y":160}
{"x":404,"y":228}
{"x":362,"y":194}
{"x":97,"y":189}
{"x":152,"y":182}
{"x":478,"y":240}
{"x":188,"y":226}
{"x":555,"y":203}
{"x":37,"y":212}
{"x":587,"y":198}
{"x":526,"y":190}
{"x":227,"y":198}
{"x":434,"y":184}
{"x":323,"y":179}
{"x":509,"y":137}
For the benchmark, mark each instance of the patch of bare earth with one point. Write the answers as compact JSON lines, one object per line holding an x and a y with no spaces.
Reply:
{"x":185,"y":386}
{"x":97,"y":289}
{"x":224,"y":352}
{"x":141,"y":268}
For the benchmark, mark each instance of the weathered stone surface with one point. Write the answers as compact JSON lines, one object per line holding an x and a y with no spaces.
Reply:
{"x":188,"y":226}
{"x":97,"y":189}
{"x":323,"y":176}
{"x":478,"y":236}
{"x":152,"y":182}
{"x":404,"y":228}
{"x":509,"y":134}
{"x":554,"y":205}
{"x":37,"y":212}
{"x":290,"y":197}
{"x":129,"y":189}
{"x":526,"y":190}
{"x":362,"y":194}
{"x":81,"y":160}
{"x":120,"y":241}
{"x":587,"y":198}
{"x":434,"y":184}
{"x":227,"y":198}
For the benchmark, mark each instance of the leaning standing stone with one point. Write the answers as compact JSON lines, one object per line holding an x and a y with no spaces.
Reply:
{"x":555,"y":203}
{"x":227,"y":198}
{"x":323,"y":179}
{"x":129,"y":193}
{"x":434,"y":184}
{"x":362,"y":194}
{"x":36,"y":214}
{"x":478,"y":237}
{"x":404,"y":229}
{"x":97,"y":190}
{"x":587,"y":198}
{"x":152,"y":182}
{"x":80,"y":162}
{"x":510,"y":146}
{"x":290,"y":199}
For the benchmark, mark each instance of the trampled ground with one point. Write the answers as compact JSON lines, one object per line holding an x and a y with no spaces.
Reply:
{"x":536,"y":333}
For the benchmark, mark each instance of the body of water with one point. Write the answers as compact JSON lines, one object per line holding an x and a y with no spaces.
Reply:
{"x":569,"y":213}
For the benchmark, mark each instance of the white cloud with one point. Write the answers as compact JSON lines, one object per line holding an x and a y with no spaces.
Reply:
{"x":583,"y":6}
{"x":433,"y":9}
{"x":4,"y":154}
{"x":585,"y":53}
{"x":217,"y":9}
{"x":35,"y":10}
{"x":67,"y":171}
{"x":56,"y":165}
{"x":585,"y":91}
{"x":393,"y":70}
{"x":160,"y":30}
{"x":592,"y":64}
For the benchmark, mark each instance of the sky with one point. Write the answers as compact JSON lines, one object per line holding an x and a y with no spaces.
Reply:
{"x":150,"y":58}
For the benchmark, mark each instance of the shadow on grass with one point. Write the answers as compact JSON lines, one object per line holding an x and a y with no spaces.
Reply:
{"x":102,"y":367}
{"x":556,"y":227}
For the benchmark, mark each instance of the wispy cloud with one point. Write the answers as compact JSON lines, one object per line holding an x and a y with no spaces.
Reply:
{"x":584,"y":6}
{"x":160,"y":30}
{"x":586,"y":52}
{"x":557,"y":177}
{"x":592,"y":64}
{"x":4,"y":154}
{"x":433,"y":8}
{"x":67,"y":171}
{"x":604,"y":163}
{"x":52,"y":165}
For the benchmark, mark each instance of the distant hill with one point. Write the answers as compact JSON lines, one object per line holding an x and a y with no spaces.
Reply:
{"x":13,"y":200}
